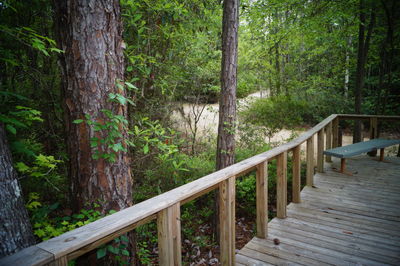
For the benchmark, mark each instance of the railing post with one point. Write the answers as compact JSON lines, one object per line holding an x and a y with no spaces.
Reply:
{"x":310,"y":161}
{"x":63,"y":261}
{"x":262,"y":199}
{"x":320,"y":152}
{"x":373,"y":127}
{"x":227,"y":221}
{"x":281,"y":187}
{"x":328,"y":140}
{"x":169,"y":236}
{"x":335,"y":132}
{"x":296,"y":168}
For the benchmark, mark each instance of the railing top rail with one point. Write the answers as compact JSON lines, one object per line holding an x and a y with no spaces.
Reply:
{"x":381,"y":117}
{"x":72,"y":241}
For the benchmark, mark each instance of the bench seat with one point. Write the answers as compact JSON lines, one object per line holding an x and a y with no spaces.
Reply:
{"x":361,"y":147}
{"x":358,"y":148}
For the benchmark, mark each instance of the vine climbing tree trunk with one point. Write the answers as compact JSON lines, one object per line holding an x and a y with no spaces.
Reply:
{"x":227,"y":102}
{"x":15,"y":228}
{"x":90,"y":34}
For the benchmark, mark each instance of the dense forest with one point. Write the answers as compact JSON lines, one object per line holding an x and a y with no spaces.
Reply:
{"x":89,"y":92}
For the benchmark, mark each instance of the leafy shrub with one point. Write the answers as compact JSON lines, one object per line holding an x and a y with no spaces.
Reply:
{"x":275,"y":113}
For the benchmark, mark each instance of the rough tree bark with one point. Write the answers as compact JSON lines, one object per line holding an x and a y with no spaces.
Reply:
{"x":227,"y":102}
{"x":362,"y":53}
{"x":90,"y":33}
{"x":15,"y":228}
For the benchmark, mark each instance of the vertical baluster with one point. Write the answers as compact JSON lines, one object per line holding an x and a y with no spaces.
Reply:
{"x":373,"y":127}
{"x":329,"y":140}
{"x":169,"y":236}
{"x":262,"y":199}
{"x":281,"y":187}
{"x":63,"y":261}
{"x":320,"y":152}
{"x":227,"y":221}
{"x":296,"y":168}
{"x":335,"y":132}
{"x":310,"y":162}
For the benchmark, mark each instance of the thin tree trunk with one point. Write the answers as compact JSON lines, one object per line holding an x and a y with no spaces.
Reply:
{"x":227,"y":111}
{"x":15,"y":228}
{"x":363,"y":46}
{"x":227,"y":103}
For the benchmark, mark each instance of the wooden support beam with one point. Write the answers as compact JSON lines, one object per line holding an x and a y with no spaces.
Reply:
{"x":310,"y":162}
{"x":373,"y":127}
{"x":262,"y":199}
{"x":63,"y":261}
{"x":335,"y":133}
{"x":328,"y":141}
{"x":296,"y":168}
{"x":281,"y":187}
{"x":320,"y":151}
{"x":169,"y":236}
{"x":227,"y":221}
{"x":381,"y":154}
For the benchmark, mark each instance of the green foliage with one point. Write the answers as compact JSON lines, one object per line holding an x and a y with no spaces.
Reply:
{"x":275,"y":113}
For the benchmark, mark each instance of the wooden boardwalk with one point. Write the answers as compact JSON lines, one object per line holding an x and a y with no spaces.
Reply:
{"x":342,"y":220}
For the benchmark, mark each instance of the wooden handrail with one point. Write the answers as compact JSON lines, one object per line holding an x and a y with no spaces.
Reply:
{"x":166,"y":207}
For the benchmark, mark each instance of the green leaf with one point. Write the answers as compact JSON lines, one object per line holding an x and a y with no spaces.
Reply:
{"x":21,"y":167}
{"x":113,"y":250}
{"x":124,"y":238}
{"x":130,"y":85}
{"x":146,"y":149}
{"x":11,"y":129}
{"x":77,"y":121}
{"x":125,"y":252}
{"x":101,"y":252}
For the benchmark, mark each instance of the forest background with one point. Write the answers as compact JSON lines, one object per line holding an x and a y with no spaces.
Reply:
{"x":306,"y":54}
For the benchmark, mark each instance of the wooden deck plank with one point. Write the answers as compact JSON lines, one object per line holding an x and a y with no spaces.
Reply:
{"x":286,"y":252}
{"x":337,"y":233}
{"x":357,"y":243}
{"x":243,"y":260}
{"x":342,"y":220}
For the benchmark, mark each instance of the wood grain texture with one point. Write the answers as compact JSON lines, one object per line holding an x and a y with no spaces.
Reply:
{"x":342,"y":220}
{"x":328,"y":143}
{"x":296,"y":168}
{"x":310,"y":162}
{"x":281,"y":185}
{"x":227,"y":221}
{"x":28,"y":256}
{"x":262,"y":199}
{"x":320,"y":150}
{"x":169,"y":236}
{"x":335,"y":132}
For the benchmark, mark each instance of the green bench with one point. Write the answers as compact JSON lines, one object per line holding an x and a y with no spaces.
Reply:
{"x":360,"y":147}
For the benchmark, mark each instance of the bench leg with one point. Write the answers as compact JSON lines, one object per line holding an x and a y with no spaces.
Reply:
{"x":381,"y":154}
{"x":342,"y":165}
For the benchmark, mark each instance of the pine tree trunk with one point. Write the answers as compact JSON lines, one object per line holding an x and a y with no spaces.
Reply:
{"x":90,"y":33}
{"x":227,"y":103}
{"x":15,"y":228}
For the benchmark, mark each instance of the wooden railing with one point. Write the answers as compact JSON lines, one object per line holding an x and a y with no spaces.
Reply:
{"x":166,"y":207}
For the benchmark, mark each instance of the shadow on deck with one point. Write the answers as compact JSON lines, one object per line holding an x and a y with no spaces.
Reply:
{"x":342,"y":220}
